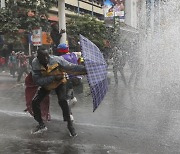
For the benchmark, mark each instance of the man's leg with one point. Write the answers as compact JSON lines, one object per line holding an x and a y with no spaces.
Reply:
{"x":26,"y":71}
{"x":121,"y":70}
{"x":115,"y":75}
{"x":13,"y":71}
{"x":70,"y":92}
{"x":62,"y":100}
{"x":41,"y":94}
{"x":20,"y":73}
{"x":69,"y":89}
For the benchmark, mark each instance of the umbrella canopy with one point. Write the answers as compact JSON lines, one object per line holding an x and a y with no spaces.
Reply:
{"x":96,"y":70}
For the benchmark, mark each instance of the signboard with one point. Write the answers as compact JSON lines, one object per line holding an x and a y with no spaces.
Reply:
{"x":37,"y":37}
{"x":46,"y":38}
{"x":114,"y":8}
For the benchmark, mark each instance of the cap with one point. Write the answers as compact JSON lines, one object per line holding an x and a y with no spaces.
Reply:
{"x":63,"y":48}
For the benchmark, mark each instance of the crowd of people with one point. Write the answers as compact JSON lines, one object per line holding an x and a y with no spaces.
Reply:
{"x":51,"y":72}
{"x":17,"y":64}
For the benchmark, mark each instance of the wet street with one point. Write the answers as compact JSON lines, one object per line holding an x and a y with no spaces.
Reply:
{"x":128,"y":121}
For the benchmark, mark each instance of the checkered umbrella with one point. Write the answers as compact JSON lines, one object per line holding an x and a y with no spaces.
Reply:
{"x":96,"y":70}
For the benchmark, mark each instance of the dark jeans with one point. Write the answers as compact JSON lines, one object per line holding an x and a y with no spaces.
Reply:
{"x":117,"y":68}
{"x":62,"y":100}
{"x":13,"y":70}
{"x":74,"y":86}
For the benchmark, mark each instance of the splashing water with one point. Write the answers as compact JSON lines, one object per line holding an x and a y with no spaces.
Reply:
{"x":159,"y":44}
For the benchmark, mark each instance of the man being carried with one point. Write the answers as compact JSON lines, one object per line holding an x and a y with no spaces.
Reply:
{"x":72,"y":57}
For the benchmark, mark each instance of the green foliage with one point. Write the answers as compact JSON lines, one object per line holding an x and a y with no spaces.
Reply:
{"x":30,"y":14}
{"x":87,"y":26}
{"x":15,"y":16}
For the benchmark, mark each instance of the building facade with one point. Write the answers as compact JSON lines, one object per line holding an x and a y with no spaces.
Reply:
{"x":79,"y":7}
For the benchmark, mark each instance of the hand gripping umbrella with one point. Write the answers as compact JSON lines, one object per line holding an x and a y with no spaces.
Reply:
{"x":96,"y":70}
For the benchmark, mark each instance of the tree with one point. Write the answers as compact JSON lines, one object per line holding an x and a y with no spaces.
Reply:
{"x":24,"y":14}
{"x":87,"y":26}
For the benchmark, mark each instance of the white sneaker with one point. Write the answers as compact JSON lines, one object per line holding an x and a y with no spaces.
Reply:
{"x":74,"y":100}
{"x":39,"y":129}
{"x":71,"y":130}
{"x":68,"y":101}
{"x":71,"y":117}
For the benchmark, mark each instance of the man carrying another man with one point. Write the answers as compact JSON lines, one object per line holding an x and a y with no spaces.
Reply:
{"x":49,"y":72}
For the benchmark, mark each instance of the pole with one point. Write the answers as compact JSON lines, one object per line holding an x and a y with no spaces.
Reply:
{"x":3,"y":4}
{"x":62,"y":19}
{"x":114,"y":20}
{"x":29,"y":49}
{"x":78,"y":8}
{"x":92,"y":7}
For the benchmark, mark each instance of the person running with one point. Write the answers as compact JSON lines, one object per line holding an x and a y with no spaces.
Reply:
{"x":23,"y":66}
{"x":56,"y":35}
{"x":12,"y":63}
{"x":119,"y":61}
{"x":49,"y":72}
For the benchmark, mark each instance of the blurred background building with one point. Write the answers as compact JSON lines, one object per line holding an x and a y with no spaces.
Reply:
{"x":95,"y":8}
{"x":79,"y":7}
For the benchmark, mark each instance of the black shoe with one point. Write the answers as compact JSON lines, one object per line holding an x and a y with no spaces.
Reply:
{"x":72,"y":131}
{"x":39,"y":129}
{"x":26,"y":110}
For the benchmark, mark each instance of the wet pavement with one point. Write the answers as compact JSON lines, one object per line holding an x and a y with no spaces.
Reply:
{"x":128,"y":121}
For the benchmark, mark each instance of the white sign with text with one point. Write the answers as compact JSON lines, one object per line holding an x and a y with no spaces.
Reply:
{"x":37,"y":37}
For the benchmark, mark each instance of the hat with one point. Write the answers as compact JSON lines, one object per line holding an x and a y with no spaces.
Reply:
{"x":62,"y":48}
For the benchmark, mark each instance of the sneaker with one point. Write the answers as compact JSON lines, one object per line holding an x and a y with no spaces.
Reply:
{"x":25,"y":110}
{"x":71,"y":117}
{"x":39,"y":129}
{"x":72,"y":131}
{"x":74,"y":100}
